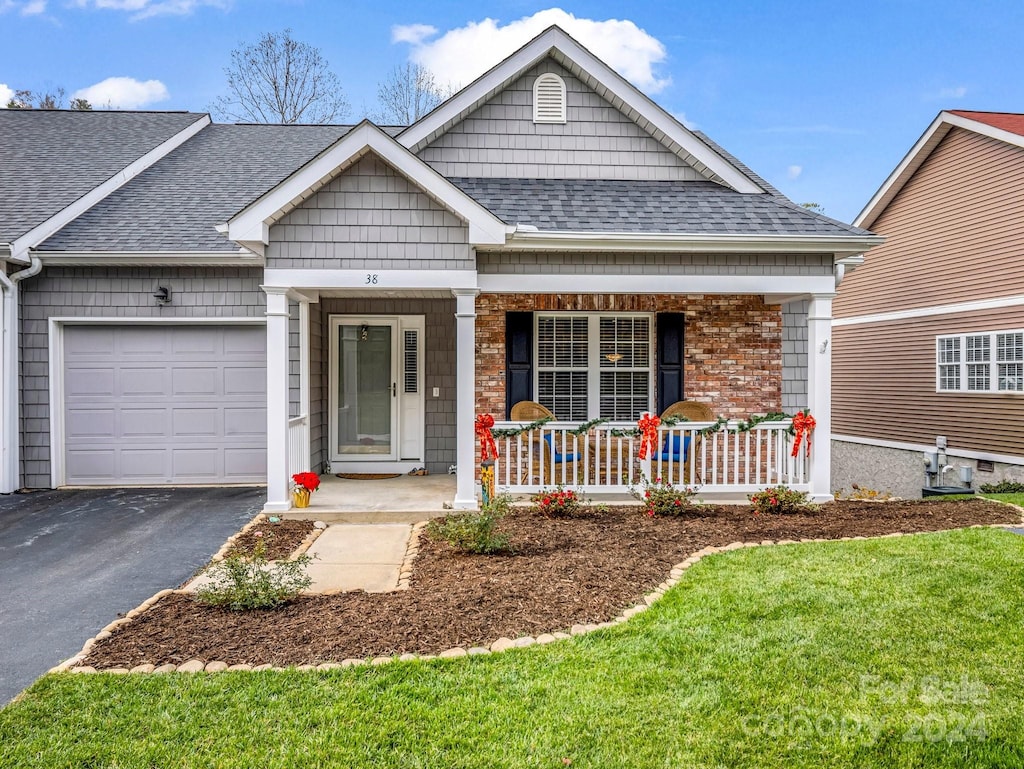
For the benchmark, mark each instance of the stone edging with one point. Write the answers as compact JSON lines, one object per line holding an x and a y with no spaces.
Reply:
{"x":502,"y":644}
{"x":411,"y":551}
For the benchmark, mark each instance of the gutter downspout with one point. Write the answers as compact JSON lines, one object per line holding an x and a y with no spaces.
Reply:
{"x":10,"y":369}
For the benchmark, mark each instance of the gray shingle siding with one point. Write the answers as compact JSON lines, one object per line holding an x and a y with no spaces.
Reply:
{"x":526,"y":262}
{"x":318,"y":358}
{"x":119,"y":292}
{"x":370,"y":217}
{"x":500,"y":139}
{"x":294,"y":360}
{"x":439,"y":367}
{"x":794,"y":356}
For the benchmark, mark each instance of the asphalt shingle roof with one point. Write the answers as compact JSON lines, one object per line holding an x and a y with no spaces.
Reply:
{"x":176,"y":204}
{"x":49,"y":159}
{"x":697,"y":207}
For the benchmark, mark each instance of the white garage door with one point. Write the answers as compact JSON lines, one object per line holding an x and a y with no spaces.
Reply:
{"x":162,"y":404}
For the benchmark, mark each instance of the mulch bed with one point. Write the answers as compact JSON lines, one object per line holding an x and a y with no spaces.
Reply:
{"x":281,"y":538}
{"x":583,"y":570}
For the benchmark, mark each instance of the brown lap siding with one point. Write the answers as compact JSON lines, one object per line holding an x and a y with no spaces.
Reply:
{"x":733,"y":345}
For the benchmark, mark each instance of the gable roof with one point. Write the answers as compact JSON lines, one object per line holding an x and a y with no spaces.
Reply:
{"x":63,"y":161}
{"x":611,"y":86}
{"x":1004,"y":126}
{"x":250,"y":226}
{"x":176,"y":204}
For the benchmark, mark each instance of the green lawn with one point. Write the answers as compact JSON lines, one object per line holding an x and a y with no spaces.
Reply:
{"x":902,"y":652}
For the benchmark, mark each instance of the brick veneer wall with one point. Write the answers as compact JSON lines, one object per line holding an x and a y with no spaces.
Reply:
{"x":733,"y":345}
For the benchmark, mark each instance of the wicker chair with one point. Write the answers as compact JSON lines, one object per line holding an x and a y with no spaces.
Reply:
{"x":551,"y":447}
{"x":677,"y":448}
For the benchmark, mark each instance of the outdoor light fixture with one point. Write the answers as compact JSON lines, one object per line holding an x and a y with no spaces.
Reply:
{"x":162,"y":295}
{"x":364,"y":332}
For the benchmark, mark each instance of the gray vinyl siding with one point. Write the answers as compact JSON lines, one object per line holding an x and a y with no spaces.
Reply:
{"x":294,"y":361}
{"x":439,"y":367}
{"x":317,"y":388}
{"x":370,"y":217}
{"x":120,"y":292}
{"x":500,"y":139}
{"x":794,"y":356}
{"x":514,"y":262}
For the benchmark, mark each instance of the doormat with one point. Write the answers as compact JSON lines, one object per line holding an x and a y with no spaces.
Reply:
{"x":367,"y":476}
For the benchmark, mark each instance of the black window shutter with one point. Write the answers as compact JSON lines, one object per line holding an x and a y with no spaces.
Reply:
{"x":518,"y":359}
{"x":670,"y":358}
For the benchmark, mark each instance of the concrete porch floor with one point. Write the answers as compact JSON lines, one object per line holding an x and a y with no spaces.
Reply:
{"x":405,"y":499}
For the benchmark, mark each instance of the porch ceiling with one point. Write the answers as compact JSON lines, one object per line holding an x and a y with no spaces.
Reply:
{"x":391,"y":293}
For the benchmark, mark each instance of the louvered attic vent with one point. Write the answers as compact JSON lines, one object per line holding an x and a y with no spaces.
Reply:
{"x":549,"y":99}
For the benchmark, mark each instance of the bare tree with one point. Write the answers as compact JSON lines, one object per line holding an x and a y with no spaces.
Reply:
{"x":407,"y":94}
{"x":281,"y":80}
{"x":52,"y":99}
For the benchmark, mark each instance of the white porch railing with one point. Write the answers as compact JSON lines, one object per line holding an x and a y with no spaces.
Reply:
{"x":298,"y":444}
{"x":727,"y":460}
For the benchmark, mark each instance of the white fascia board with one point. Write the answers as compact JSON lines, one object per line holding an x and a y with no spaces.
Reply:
{"x":980,"y":305}
{"x":555,"y":39}
{"x":839,"y":245}
{"x":62,"y":218}
{"x":550,"y":283}
{"x":1009,"y":459}
{"x":156,"y":258}
{"x":253,"y":221}
{"x":919,"y":153}
{"x":370,"y":279}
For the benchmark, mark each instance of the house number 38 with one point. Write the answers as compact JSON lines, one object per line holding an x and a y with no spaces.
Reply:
{"x":371,"y":278}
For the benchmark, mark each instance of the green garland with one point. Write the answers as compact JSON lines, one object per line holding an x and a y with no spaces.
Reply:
{"x":634,"y":432}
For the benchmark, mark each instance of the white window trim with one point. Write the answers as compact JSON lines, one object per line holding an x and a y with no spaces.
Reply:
{"x":993,"y":363}
{"x":561,"y":117}
{"x":594,"y":354}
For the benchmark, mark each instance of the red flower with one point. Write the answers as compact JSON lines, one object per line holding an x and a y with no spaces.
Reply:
{"x":308,"y":481}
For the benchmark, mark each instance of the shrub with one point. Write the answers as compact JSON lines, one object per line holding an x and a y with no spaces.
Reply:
{"x":1003,"y":487}
{"x":779,"y":499}
{"x":557,"y":502}
{"x":475,"y":532}
{"x":662,"y":498}
{"x":242,"y":582}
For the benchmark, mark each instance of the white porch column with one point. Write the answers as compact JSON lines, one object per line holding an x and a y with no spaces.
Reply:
{"x":465,"y":397}
{"x":819,"y":393}
{"x":278,"y":492}
{"x":307,"y":460}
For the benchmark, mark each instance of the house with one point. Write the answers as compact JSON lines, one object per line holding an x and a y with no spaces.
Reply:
{"x":929,"y":332}
{"x":203,"y":303}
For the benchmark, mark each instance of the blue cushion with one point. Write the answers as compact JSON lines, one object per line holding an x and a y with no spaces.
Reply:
{"x":550,"y":438}
{"x":671,"y":448}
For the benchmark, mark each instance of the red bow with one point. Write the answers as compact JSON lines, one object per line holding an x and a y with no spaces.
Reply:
{"x":483,"y":426}
{"x":803,"y":424}
{"x":648,"y":434}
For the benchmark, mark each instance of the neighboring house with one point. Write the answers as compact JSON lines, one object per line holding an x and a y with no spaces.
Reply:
{"x":234,"y":303}
{"x":929,"y":337}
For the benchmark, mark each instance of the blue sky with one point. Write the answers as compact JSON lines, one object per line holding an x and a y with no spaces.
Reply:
{"x":821,"y":98}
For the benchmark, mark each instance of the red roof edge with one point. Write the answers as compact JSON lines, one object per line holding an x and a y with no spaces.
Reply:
{"x":1007,"y":121}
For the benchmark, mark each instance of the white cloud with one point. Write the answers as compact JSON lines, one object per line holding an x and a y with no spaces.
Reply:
{"x":143,"y":9}
{"x":793,"y":172}
{"x":123,"y":93}
{"x":681,"y":117}
{"x":33,"y":8}
{"x":957,"y":92}
{"x":6,"y":94}
{"x":412,"y":33}
{"x":461,"y":55}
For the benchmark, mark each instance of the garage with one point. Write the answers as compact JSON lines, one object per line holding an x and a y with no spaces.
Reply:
{"x":156,"y":403}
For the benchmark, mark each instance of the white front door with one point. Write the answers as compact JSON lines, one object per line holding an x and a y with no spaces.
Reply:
{"x":376,"y":391}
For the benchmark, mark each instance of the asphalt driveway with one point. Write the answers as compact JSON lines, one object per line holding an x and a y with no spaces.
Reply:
{"x":71,"y":561}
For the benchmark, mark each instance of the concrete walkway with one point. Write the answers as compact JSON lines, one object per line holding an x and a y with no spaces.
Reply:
{"x":358,"y":557}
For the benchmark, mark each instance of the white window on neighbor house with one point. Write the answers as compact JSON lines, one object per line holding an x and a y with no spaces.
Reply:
{"x":591,"y":365}
{"x":988,"y":362}
{"x":549,"y":99}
